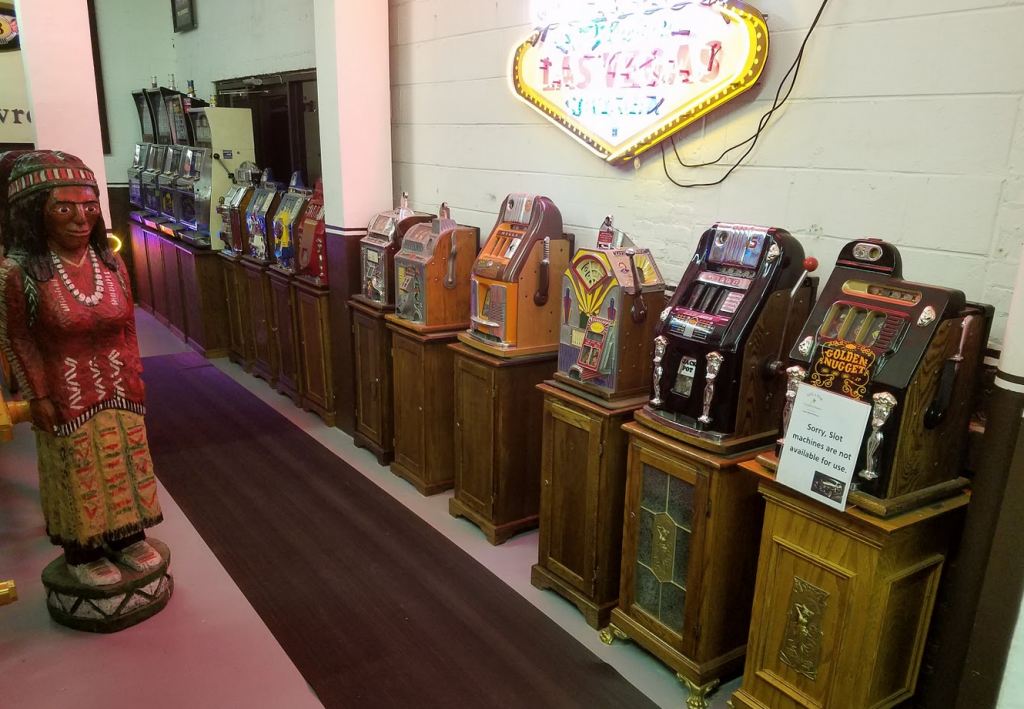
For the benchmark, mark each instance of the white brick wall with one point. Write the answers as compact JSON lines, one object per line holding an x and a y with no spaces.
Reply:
{"x":907,"y":123}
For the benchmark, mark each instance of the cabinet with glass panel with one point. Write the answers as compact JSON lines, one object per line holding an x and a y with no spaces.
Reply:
{"x":689,"y":558}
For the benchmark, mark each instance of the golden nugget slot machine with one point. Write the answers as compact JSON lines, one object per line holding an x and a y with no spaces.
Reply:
{"x":911,"y":351}
{"x":740,"y":302}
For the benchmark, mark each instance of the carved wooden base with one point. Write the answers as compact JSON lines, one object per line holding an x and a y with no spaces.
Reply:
{"x":510,"y":353}
{"x":612,"y":633}
{"x":423,"y":487}
{"x":597,"y":616}
{"x":497,"y":534}
{"x":728,"y":446}
{"x":384,"y":456}
{"x":108,"y":609}
{"x":698,"y":693}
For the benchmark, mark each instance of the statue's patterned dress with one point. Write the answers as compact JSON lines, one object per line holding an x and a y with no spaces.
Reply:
{"x":72,"y":339}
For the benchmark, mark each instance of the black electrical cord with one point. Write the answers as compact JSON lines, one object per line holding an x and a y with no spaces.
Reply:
{"x":794,"y":71}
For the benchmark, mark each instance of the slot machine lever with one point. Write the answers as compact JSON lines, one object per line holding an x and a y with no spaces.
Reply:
{"x":540,"y":298}
{"x":939,"y":407}
{"x":450,"y":280}
{"x":639,"y":310}
{"x":777,"y":366}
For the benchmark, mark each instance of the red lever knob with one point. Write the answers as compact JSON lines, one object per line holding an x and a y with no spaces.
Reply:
{"x":810,"y":264}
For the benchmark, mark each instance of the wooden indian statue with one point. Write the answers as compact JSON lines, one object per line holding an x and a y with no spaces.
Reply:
{"x":67,"y":327}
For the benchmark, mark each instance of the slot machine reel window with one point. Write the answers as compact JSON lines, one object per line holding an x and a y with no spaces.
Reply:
{"x":849,"y":322}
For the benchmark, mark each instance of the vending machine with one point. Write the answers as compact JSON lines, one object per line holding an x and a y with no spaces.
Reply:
{"x":233,"y":207}
{"x":515,"y":304}
{"x":224,"y":137}
{"x":377,"y":252}
{"x":287,"y":220}
{"x":611,"y":297}
{"x":259,"y":218}
{"x":911,"y":351}
{"x":432,"y":272}
{"x":166,"y":180}
{"x":135,"y":174}
{"x":717,"y":381}
{"x":312,"y":246}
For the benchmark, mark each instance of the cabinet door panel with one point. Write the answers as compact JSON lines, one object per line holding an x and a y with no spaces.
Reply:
{"x":474,"y":435}
{"x":283,"y":329}
{"x":260,"y":316}
{"x":571,"y":478}
{"x":409,"y":385}
{"x":368,"y":373}
{"x":156,"y":274}
{"x":311,"y":346}
{"x":144,"y":289}
{"x":172,"y":282}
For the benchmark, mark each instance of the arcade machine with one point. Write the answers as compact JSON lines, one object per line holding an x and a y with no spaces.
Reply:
{"x":611,"y":297}
{"x":283,"y":294}
{"x":287,"y":221}
{"x":369,"y":307}
{"x":432,"y":275}
{"x":312,"y":303}
{"x":312,"y":246}
{"x":719,"y":389}
{"x":377,"y":253}
{"x":912,"y":352}
{"x":234,"y":242}
{"x":223,"y":142}
{"x":255,"y":270}
{"x":510,"y":348}
{"x":515,"y":303}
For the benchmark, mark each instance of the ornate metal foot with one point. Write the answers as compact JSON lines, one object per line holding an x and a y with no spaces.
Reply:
{"x":698,"y":695}
{"x":608,"y":635}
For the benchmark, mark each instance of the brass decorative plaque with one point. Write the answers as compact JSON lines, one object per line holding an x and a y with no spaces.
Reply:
{"x":801,"y":642}
{"x":664,"y":552}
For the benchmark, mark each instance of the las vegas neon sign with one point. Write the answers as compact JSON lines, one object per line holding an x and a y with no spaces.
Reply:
{"x":622,"y":75}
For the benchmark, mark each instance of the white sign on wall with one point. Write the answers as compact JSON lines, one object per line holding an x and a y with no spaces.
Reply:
{"x":15,"y":110}
{"x":823,"y":442}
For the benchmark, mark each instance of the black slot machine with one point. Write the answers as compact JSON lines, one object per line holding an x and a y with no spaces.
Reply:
{"x":140,"y":160}
{"x":161,"y":119}
{"x":187,"y":193}
{"x":148,"y":179}
{"x":739,"y":303}
{"x":177,"y":106}
{"x":911,"y":351}
{"x":165,"y":181}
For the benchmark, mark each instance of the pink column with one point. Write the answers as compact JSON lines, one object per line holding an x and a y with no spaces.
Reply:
{"x":57,"y":51}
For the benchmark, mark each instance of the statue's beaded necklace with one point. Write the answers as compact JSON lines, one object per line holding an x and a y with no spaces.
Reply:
{"x":89,"y":300}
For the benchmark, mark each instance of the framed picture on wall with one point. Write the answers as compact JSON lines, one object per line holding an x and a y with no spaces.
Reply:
{"x":184,"y":15}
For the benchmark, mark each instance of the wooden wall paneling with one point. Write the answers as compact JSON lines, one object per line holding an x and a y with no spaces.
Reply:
{"x":313,"y":303}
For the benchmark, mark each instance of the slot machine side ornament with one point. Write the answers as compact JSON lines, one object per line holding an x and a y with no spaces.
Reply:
{"x":912,"y":351}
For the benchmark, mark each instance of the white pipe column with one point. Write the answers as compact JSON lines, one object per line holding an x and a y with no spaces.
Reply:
{"x":57,"y":50}
{"x":354,"y":105}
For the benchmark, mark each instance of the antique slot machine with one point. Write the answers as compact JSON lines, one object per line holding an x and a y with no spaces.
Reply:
{"x":287,"y":220}
{"x":911,"y":351}
{"x":161,"y":119}
{"x":515,"y":301}
{"x":432,"y":272}
{"x":312,"y":246}
{"x":259,"y":218}
{"x":740,"y":302}
{"x":611,"y":297}
{"x":148,"y":178}
{"x":377,"y":252}
{"x":223,"y":142}
{"x":185,"y":194}
{"x":234,"y":231}
{"x":135,"y":173}
{"x":165,"y":181}
{"x":177,"y":106}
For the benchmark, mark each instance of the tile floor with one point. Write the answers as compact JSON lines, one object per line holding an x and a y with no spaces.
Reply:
{"x":209,"y":648}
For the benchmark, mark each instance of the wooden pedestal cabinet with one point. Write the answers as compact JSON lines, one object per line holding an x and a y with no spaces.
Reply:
{"x":175,"y":311}
{"x":261,"y":314}
{"x":689,"y":558}
{"x":312,"y":303}
{"x":583,"y":487}
{"x":498,"y":424}
{"x":202,"y":287}
{"x":843,"y":602}
{"x":424,"y":370}
{"x":144,"y":288}
{"x":285,"y":332}
{"x":375,"y":414}
{"x":155,"y":255}
{"x":239,"y":316}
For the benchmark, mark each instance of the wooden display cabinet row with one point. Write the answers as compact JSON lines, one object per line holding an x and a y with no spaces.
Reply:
{"x":583,"y":488}
{"x":312,"y":305}
{"x":155,"y":256}
{"x":424,"y":370}
{"x":375,"y":418}
{"x":498,"y":425}
{"x":203,"y":298}
{"x":175,"y":310}
{"x":285,"y":332}
{"x":265,"y":353}
{"x":144,"y":289}
{"x":241,"y":350}
{"x":689,"y":558}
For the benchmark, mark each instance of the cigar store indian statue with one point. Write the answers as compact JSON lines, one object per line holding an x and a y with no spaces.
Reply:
{"x":67,"y":328}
